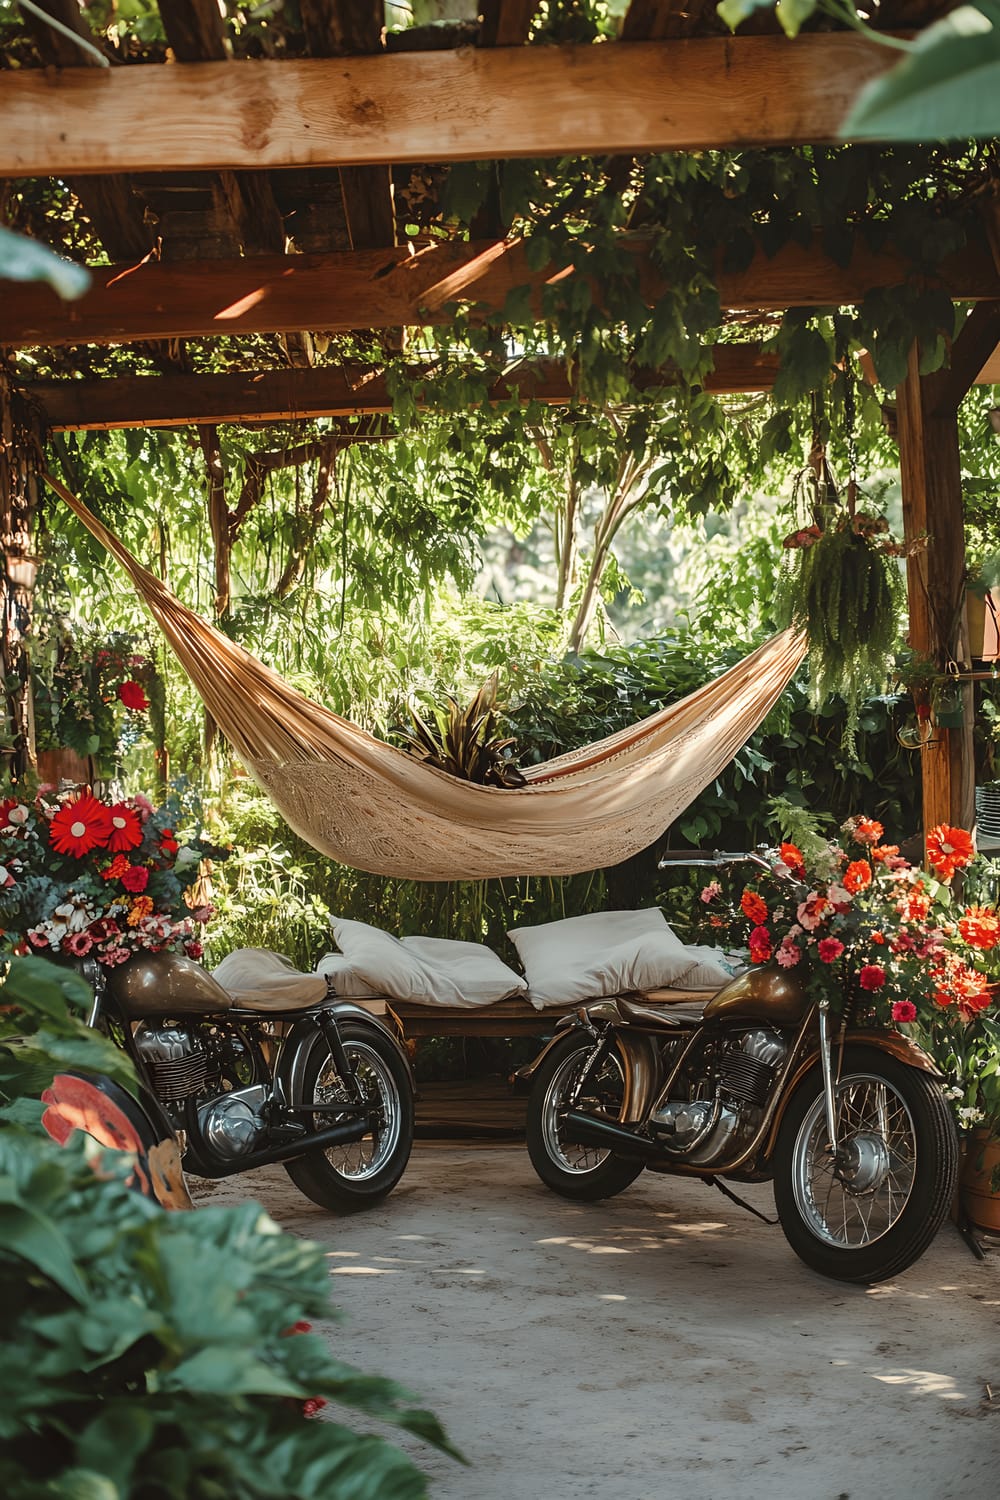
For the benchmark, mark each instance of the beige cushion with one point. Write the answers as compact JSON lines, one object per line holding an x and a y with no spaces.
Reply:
{"x":604,"y":953}
{"x":425,"y":971}
{"x":261,"y":979}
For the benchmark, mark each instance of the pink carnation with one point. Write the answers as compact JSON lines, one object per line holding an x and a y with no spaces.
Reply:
{"x":904,"y":1010}
{"x":710,"y":891}
{"x":872,"y":977}
{"x":788,"y":954}
{"x":829,"y":949}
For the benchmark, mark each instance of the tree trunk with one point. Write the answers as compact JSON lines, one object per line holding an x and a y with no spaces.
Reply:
{"x":20,"y":461}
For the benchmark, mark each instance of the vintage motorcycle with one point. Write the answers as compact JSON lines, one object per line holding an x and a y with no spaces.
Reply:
{"x":315,"y":1082}
{"x":853,"y":1128}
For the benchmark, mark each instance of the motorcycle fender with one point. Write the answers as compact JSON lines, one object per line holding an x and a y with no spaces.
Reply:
{"x":642,"y":1068}
{"x":304,"y":1034}
{"x":898,"y":1046}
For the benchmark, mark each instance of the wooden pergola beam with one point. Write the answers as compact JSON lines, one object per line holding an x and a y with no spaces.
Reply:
{"x":331,"y":391}
{"x":393,"y":288}
{"x":466,"y":105}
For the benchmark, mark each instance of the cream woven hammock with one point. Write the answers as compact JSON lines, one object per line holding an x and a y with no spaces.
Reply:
{"x":377,"y":808}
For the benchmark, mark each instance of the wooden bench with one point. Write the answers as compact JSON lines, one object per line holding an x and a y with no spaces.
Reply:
{"x":507,"y":1018}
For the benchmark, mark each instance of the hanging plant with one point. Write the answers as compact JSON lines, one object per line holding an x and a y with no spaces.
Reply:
{"x":843,"y":587}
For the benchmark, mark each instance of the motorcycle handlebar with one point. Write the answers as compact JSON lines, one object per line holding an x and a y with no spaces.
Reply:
{"x":714,"y":858}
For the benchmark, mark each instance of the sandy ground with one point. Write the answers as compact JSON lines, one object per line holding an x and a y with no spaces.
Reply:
{"x":664,"y":1345}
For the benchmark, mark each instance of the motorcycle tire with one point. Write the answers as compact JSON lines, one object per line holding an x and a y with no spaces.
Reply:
{"x":872,"y":1220}
{"x":348,"y":1178}
{"x":585,"y":1173}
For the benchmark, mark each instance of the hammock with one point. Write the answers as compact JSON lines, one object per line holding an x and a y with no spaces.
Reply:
{"x":377,"y":808}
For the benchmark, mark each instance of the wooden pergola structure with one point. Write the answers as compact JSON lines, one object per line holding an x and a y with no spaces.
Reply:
{"x":269,"y":195}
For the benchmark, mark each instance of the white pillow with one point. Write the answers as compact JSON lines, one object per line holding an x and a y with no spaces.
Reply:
{"x":346,"y":982}
{"x":425,"y":971}
{"x":475,"y":969}
{"x":712,"y":968}
{"x":605,"y":953}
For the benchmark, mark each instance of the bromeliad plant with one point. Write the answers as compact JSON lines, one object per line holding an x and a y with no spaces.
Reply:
{"x":84,"y":877}
{"x":865,"y":927}
{"x":466,"y":742}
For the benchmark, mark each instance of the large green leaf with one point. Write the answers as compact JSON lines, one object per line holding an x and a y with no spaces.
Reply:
{"x":948,"y":88}
{"x":22,"y":259}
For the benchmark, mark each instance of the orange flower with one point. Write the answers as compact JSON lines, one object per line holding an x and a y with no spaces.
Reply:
{"x":948,"y":849}
{"x":754,"y":907}
{"x":980,"y":927}
{"x":915,"y":904}
{"x":116,"y":869}
{"x":791,"y":856}
{"x":879,"y":938}
{"x":867,"y":831}
{"x":882,"y":852}
{"x":80,"y":825}
{"x":141,"y":907}
{"x":857,"y":876}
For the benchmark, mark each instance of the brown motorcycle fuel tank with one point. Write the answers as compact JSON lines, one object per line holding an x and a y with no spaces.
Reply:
{"x":166,"y":984}
{"x":762,"y":994}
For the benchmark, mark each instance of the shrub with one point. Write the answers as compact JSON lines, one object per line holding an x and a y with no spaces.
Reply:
{"x":151,"y":1355}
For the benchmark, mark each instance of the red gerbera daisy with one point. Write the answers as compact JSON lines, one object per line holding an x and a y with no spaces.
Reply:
{"x":80,"y":825}
{"x":126,"y":830}
{"x":948,"y":849}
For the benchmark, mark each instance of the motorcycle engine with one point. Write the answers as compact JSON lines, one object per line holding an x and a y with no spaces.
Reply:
{"x":705,"y":1131}
{"x":211,"y":1062}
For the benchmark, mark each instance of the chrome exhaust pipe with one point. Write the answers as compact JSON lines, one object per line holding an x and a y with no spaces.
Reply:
{"x":335,"y":1135}
{"x":588,"y":1131}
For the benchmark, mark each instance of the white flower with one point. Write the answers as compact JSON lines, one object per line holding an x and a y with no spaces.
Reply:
{"x":954,"y":1092}
{"x":18,"y":814}
{"x":971,"y":1116}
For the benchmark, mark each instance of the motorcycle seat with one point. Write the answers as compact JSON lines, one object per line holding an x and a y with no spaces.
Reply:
{"x":670,"y":1018}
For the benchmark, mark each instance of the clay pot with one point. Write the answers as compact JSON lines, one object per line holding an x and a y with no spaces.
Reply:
{"x":980,"y":1202}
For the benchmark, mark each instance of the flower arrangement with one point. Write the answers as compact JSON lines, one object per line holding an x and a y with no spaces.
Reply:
{"x":81,"y":876}
{"x":866,"y":928}
{"x":92,"y":691}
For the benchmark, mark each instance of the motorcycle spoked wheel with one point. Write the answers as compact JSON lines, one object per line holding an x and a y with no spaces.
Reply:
{"x":575,"y":1170}
{"x":902,"y":1166}
{"x":358,"y":1175}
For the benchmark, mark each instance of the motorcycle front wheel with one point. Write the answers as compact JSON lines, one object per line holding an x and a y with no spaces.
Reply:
{"x":872,"y":1213}
{"x":358,"y":1175}
{"x":575,"y":1170}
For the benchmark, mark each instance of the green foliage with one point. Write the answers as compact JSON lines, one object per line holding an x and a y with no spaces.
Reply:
{"x":946,"y":89}
{"x":846,"y":594}
{"x":127,"y":1377}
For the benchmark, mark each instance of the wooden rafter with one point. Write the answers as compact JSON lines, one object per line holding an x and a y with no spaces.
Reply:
{"x":329,"y":391}
{"x":469,"y":104}
{"x":392,"y":289}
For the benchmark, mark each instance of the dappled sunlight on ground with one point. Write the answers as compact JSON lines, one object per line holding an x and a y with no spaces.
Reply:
{"x":644,"y":1348}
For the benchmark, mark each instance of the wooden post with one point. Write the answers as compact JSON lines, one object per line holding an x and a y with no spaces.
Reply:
{"x":20,"y":454}
{"x":931,"y":482}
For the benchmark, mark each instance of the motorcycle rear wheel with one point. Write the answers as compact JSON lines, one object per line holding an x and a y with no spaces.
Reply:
{"x":585,"y":1173}
{"x":356,"y":1176}
{"x":874,"y":1218}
